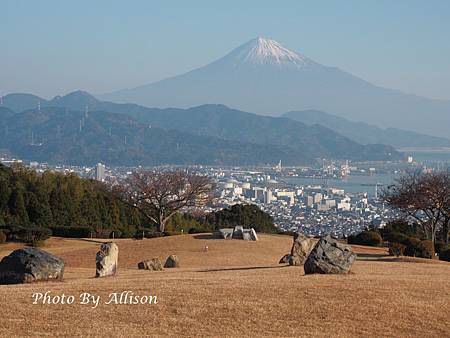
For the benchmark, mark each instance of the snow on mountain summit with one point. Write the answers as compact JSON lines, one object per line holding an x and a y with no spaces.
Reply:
{"x":261,"y":51}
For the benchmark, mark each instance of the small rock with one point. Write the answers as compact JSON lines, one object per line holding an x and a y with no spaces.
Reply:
{"x":285,"y":259}
{"x":172,"y":262}
{"x":29,"y":265}
{"x":107,"y":260}
{"x":153,"y":264}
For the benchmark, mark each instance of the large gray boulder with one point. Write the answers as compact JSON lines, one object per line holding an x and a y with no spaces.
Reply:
{"x":172,"y":262}
{"x":153,"y":264}
{"x":300,"y":250}
{"x":107,"y":260}
{"x":329,"y":257}
{"x":29,"y":265}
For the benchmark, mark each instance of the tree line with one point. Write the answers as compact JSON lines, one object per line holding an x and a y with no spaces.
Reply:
{"x":147,"y":203}
{"x":52,"y":199}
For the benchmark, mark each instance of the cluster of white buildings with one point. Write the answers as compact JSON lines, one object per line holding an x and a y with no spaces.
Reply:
{"x":314,"y":210}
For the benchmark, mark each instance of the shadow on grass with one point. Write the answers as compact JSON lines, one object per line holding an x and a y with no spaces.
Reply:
{"x":245,"y":268}
{"x":204,"y":236}
{"x":371,"y":257}
{"x":95,"y":240}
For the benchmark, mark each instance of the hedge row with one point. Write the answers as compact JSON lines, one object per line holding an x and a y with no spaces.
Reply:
{"x":400,"y":244}
{"x":73,"y":231}
{"x":29,"y":235}
{"x":370,"y":238}
{"x":445,"y":254}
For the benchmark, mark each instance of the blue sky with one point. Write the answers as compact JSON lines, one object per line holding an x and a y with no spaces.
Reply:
{"x":53,"y":47}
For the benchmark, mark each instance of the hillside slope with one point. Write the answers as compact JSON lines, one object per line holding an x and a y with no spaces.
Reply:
{"x":235,"y":289}
{"x":56,"y":135}
{"x":296,"y":142}
{"x":365,"y":133}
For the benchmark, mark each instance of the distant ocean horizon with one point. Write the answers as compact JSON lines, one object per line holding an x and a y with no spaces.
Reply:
{"x":353,"y":184}
{"x":366,"y":183}
{"x":430,"y":155}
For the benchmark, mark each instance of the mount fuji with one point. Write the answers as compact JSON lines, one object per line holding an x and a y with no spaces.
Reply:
{"x":264,"y":77}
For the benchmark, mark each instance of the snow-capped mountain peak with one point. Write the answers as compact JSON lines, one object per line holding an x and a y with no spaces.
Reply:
{"x":262,"y":51}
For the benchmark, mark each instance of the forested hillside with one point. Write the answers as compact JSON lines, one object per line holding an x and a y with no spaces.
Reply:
{"x":54,"y":199}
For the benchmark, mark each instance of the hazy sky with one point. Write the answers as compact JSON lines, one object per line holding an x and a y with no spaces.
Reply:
{"x":53,"y":47}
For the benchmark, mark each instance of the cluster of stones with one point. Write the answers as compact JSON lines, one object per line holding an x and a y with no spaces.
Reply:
{"x":29,"y":265}
{"x":154,"y":264}
{"x":327,"y":256}
{"x":237,"y":232}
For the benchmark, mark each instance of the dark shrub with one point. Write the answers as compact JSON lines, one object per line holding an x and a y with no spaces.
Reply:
{"x":247,"y":215}
{"x":396,"y":249}
{"x":37,"y":244}
{"x":34,"y":235}
{"x":397,"y":237}
{"x":398,"y":226}
{"x":438,"y":246}
{"x":2,"y":237}
{"x":418,"y":248}
{"x":127,"y":233}
{"x":12,"y":232}
{"x":371,"y":238}
{"x":73,"y":231}
{"x":145,"y":233}
{"x":198,"y":230}
{"x":445,"y":254}
{"x":413,"y":247}
{"x":7,"y":233}
{"x":427,"y":249}
{"x":115,"y":234}
{"x":171,"y":233}
{"x":103,"y":233}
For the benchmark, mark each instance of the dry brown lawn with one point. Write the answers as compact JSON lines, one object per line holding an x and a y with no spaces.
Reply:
{"x":235,"y":289}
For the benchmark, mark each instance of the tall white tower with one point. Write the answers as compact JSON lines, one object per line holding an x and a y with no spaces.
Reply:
{"x":100,"y":172}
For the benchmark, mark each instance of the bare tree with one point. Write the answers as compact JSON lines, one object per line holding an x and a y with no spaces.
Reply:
{"x":159,"y":195}
{"x":425,"y":197}
{"x":445,"y":181}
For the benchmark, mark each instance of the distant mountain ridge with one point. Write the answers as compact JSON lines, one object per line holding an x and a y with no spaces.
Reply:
{"x":58,"y":135}
{"x":263,"y":76}
{"x":226,"y":136}
{"x":365,"y":133}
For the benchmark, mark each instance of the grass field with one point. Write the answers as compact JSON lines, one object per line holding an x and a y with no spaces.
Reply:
{"x":235,"y":289}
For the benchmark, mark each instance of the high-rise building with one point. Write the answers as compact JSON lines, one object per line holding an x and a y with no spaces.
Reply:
{"x":268,"y":198}
{"x":318,"y":197}
{"x":100,"y":172}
